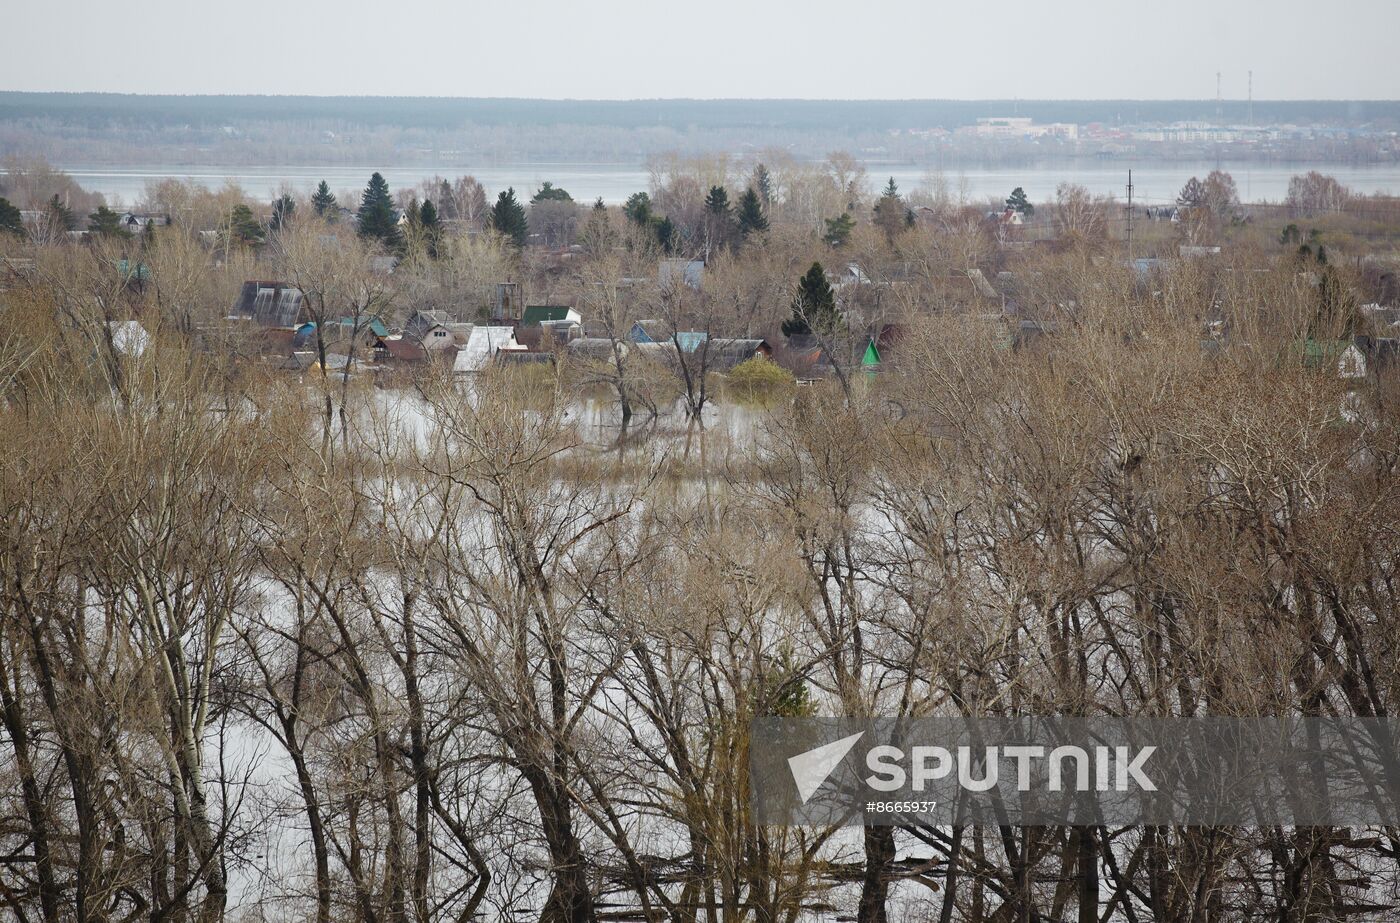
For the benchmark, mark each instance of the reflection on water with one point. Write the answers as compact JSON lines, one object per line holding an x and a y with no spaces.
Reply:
{"x":597,"y":421}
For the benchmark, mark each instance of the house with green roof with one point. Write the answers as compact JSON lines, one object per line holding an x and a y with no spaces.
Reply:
{"x":537,"y":314}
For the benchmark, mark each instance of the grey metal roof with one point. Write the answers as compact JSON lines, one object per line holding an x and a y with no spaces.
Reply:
{"x":269,"y":304}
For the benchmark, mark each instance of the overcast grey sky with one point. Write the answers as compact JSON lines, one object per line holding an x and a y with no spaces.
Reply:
{"x":621,"y":49}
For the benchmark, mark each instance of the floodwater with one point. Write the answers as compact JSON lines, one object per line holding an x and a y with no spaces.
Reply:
{"x":1154,"y":183}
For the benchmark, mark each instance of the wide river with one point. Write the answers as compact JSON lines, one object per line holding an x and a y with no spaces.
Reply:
{"x":1153,"y":183}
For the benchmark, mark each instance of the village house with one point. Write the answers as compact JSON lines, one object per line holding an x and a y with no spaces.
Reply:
{"x":481,"y":347}
{"x":660,"y":331}
{"x":726,"y":352}
{"x":430,"y":331}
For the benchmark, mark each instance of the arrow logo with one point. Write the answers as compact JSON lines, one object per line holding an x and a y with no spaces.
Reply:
{"x":810,"y":769}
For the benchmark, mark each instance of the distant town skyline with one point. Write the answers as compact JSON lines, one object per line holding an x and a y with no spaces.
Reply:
{"x":630,"y":49}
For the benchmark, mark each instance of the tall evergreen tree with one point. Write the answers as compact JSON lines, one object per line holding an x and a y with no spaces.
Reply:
{"x":323,"y":200}
{"x":508,"y":218}
{"x":751,"y":217}
{"x":718,"y":221}
{"x":814,"y":307}
{"x":431,"y":226}
{"x":244,"y":227}
{"x":891,"y":214}
{"x":763,"y":183}
{"x":377,"y":219}
{"x":717,"y":201}
{"x":61,"y":215}
{"x":10,"y":218}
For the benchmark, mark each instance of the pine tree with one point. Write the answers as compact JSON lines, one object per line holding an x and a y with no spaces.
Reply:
{"x":751,"y":217}
{"x":282,"y":209}
{"x":814,"y":308}
{"x":10,"y":218}
{"x":550,"y":193}
{"x":377,"y":219}
{"x":1018,"y":202}
{"x":508,"y":218}
{"x":891,"y":190}
{"x":106,"y":223}
{"x":638,"y":208}
{"x":838,"y":229}
{"x":244,"y":227}
{"x":323,"y":200}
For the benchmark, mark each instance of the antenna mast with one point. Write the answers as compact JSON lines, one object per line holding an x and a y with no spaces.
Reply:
{"x":1130,"y":214}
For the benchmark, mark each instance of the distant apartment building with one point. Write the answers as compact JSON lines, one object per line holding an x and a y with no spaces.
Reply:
{"x":1018,"y":128}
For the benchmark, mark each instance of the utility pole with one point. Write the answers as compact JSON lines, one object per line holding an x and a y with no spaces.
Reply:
{"x":1130,"y":214}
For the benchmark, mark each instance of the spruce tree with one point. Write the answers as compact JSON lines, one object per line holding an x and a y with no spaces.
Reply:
{"x":62,"y":215}
{"x":751,"y":217}
{"x":431,"y":226}
{"x":763,"y":182}
{"x":106,"y":223}
{"x":717,"y":202}
{"x":508,"y":218}
{"x":891,"y":215}
{"x":10,"y":218}
{"x":814,"y":307}
{"x":377,"y":219}
{"x":323,"y":201}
